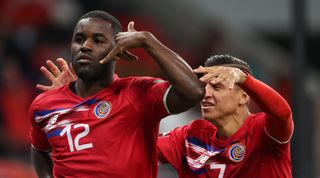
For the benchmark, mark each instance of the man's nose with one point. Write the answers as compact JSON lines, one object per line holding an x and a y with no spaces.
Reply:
{"x":86,"y":46}
{"x":209,"y":91}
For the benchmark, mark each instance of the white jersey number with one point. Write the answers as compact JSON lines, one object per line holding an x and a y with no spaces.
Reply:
{"x":74,"y":144}
{"x":222,"y":168}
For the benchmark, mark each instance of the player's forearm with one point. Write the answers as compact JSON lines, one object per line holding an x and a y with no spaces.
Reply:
{"x":178,"y":72}
{"x":279,"y":124}
{"x":42,"y":163}
{"x":268,"y":99}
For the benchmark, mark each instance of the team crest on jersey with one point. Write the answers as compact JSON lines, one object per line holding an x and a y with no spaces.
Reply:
{"x":237,"y":152}
{"x":102,"y":109}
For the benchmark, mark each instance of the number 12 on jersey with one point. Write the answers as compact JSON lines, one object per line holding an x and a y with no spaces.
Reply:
{"x":74,"y":144}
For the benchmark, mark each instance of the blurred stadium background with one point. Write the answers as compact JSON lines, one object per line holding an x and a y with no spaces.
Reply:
{"x":279,"y":39}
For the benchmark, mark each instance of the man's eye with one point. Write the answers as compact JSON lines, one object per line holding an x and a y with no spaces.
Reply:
{"x":98,"y":41}
{"x":78,"y":40}
{"x":217,"y":86}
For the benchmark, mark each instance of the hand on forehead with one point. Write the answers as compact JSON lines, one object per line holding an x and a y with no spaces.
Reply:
{"x":218,"y":74}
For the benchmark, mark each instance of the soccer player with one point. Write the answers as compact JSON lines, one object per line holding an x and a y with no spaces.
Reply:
{"x":230,"y":141}
{"x":102,"y":125}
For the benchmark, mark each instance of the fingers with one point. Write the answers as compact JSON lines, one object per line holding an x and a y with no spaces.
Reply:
{"x":116,"y":53}
{"x":53,"y":68}
{"x":217,"y":74}
{"x":67,"y":72}
{"x":200,"y":69}
{"x":126,"y":55}
{"x":52,"y":71}
{"x":131,"y":26}
{"x":209,"y":74}
{"x":43,"y":87}
{"x":119,"y":49}
{"x":207,"y":77}
{"x":112,"y":54}
{"x":105,"y":60}
{"x":229,"y":82}
{"x":63,"y":65}
{"x":47,"y":73}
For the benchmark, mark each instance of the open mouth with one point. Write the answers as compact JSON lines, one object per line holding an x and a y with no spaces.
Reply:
{"x":206,"y":104}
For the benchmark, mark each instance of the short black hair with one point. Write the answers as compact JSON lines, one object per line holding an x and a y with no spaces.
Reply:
{"x":227,"y":60}
{"x":116,"y":25}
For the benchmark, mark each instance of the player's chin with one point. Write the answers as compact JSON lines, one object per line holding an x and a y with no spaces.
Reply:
{"x":85,"y":73}
{"x":207,"y":109}
{"x":207,"y":114}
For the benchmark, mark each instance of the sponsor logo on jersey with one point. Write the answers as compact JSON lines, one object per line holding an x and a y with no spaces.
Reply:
{"x":41,"y":115}
{"x":237,"y":152}
{"x":53,"y":119}
{"x":102,"y":109}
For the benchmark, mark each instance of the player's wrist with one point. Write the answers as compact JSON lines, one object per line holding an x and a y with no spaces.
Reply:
{"x":243,"y":77}
{"x":147,"y":40}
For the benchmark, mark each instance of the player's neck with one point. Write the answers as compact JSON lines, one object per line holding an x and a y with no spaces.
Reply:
{"x":229,"y":125}
{"x":85,"y":88}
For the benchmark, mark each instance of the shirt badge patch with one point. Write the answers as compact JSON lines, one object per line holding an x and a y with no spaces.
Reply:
{"x":102,"y":109}
{"x":237,"y":152}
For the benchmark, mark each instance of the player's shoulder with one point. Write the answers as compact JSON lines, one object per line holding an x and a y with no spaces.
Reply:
{"x":139,"y":79}
{"x":189,"y":129}
{"x":50,"y":94}
{"x":200,"y":127}
{"x":255,"y":122}
{"x":137,"y":82}
{"x":200,"y":132}
{"x":178,"y":131}
{"x":257,"y":118}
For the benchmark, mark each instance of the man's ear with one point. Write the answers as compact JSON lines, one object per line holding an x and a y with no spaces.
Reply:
{"x":244,"y":98}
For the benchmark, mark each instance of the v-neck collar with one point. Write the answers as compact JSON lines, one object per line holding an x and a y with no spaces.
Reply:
{"x":106,"y":90}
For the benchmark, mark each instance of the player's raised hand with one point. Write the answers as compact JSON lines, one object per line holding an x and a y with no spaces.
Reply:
{"x":56,"y":76}
{"x":217,"y":74}
{"x":126,"y":55}
{"x":125,"y":40}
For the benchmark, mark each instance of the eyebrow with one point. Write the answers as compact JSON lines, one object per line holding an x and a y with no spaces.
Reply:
{"x":217,"y":84}
{"x":99,"y":35}
{"x":94,"y":35}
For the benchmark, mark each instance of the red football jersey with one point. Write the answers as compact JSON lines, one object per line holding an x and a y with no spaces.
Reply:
{"x":110,"y":134}
{"x":195,"y":151}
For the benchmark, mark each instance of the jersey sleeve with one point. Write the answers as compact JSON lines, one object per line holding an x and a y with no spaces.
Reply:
{"x":149,"y":95}
{"x":279,"y":122}
{"x":171,"y":147}
{"x":38,"y":137}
